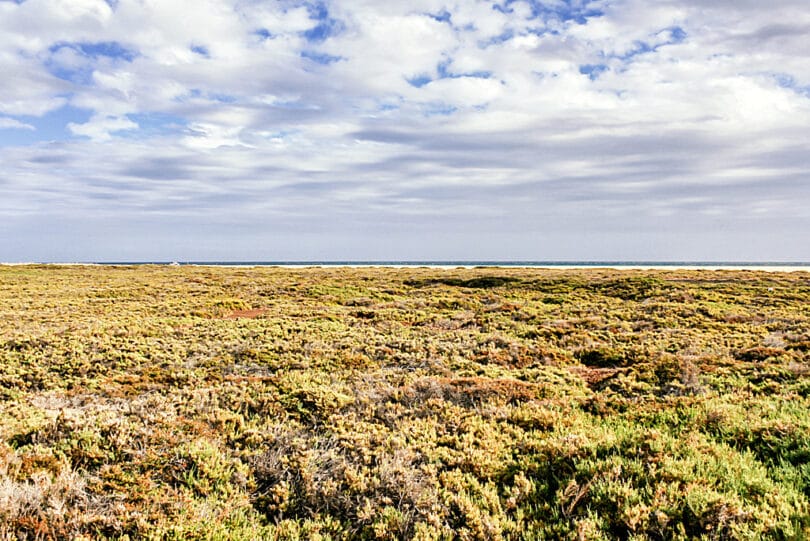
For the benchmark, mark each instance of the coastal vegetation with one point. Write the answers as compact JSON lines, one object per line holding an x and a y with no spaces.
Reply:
{"x":158,"y":402}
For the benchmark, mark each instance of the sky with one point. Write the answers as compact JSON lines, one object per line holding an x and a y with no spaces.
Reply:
{"x":673,"y":130}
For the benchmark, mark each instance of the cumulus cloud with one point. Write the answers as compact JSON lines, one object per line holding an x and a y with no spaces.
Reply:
{"x":536,"y":129}
{"x":101,"y":127}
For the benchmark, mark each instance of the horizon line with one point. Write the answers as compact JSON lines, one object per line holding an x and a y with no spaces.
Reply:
{"x":430,"y":262}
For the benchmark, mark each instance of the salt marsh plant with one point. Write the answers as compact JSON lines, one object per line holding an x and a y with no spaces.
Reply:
{"x":266,"y":403}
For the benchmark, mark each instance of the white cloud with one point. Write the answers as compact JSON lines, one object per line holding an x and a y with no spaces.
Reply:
{"x":618,"y":111}
{"x":14,"y":124}
{"x":101,"y":128}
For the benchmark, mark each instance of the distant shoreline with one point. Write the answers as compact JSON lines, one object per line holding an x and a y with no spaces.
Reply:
{"x":563,"y":265}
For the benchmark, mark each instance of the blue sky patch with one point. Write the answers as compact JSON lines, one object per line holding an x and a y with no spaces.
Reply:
{"x":263,"y":33}
{"x":79,"y":76}
{"x":49,"y":127}
{"x":438,"y":109}
{"x":152,"y":124}
{"x":678,"y":34}
{"x":784,"y":80}
{"x":82,"y":75}
{"x":201,"y":50}
{"x":443,"y":69}
{"x":501,"y":38}
{"x":542,"y":31}
{"x":477,"y":74}
{"x":326,"y":27}
{"x":568,"y":10}
{"x":593,"y":71}
{"x":294,"y":105}
{"x":788,"y":81}
{"x":419,"y":81}
{"x":322,"y":31}
{"x":110,"y":49}
{"x":639,"y":47}
{"x":318,"y":11}
{"x":443,"y":16}
{"x":320,"y":58}
{"x":221,"y":98}
{"x":196,"y":93}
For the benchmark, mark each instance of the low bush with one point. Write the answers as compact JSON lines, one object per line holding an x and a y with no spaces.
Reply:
{"x":223,"y":403}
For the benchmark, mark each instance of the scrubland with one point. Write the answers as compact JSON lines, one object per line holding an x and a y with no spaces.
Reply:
{"x":272,"y":403}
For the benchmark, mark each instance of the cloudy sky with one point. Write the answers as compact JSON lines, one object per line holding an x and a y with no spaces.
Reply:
{"x":427,"y":129}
